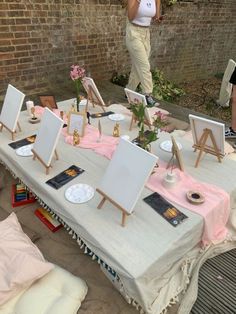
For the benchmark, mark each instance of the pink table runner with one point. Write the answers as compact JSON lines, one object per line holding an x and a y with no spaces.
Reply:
{"x":215,"y":210}
{"x":105,"y":147}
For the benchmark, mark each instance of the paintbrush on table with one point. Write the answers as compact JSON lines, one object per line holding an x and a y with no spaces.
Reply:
{"x":100,"y":131}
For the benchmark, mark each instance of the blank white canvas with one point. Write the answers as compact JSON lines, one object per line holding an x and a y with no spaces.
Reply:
{"x":198,"y":124}
{"x":88,"y":83}
{"x":226,"y":86}
{"x":134,"y":97}
{"x":11,"y":108}
{"x":47,"y":136}
{"x":127,"y":174}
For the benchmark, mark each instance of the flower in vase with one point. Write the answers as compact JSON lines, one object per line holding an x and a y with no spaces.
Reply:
{"x":159,"y":122}
{"x":77,"y":73}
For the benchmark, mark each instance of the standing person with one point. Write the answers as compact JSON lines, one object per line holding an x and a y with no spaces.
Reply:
{"x":231,"y":131}
{"x":140,"y":14}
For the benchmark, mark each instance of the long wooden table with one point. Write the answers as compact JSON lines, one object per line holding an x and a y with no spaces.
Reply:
{"x":149,"y":260}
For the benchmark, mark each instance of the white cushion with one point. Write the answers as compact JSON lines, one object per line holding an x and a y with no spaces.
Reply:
{"x":58,"y":292}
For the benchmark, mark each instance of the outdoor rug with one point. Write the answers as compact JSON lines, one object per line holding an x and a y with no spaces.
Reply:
{"x":217,"y":285}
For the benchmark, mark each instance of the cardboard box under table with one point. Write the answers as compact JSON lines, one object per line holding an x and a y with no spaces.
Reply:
{"x":151,"y":258}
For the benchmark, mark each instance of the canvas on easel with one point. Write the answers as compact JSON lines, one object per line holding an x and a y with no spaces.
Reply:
{"x":176,"y":155}
{"x":126,"y":176}
{"x":137,"y":98}
{"x":93,"y":94}
{"x":76,"y":121}
{"x":47,"y":138}
{"x":11,"y":108}
{"x":208,"y":137}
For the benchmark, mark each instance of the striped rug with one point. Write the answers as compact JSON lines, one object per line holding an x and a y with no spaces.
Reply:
{"x":217,"y":286}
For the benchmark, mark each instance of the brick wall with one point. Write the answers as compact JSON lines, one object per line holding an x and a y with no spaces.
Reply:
{"x":40,"y":39}
{"x":196,"y":40}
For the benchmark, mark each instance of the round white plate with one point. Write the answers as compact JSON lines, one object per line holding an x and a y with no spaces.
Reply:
{"x":167,"y":146}
{"x":25,"y":151}
{"x":79,"y":193}
{"x":116,"y":117}
{"x":125,"y":137}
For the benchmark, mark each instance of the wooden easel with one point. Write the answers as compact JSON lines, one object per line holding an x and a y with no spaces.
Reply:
{"x":93,"y":98}
{"x":175,"y":154}
{"x":40,"y":159}
{"x":202,"y":147}
{"x":12,"y":132}
{"x":134,"y":120}
{"x":105,"y":197}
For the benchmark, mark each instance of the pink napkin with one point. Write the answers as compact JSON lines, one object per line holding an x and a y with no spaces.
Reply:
{"x":40,"y":110}
{"x":105,"y":147}
{"x":215,"y":210}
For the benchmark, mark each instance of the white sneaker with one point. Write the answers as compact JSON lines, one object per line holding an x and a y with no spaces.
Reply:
{"x":230,"y":133}
{"x":151,"y":102}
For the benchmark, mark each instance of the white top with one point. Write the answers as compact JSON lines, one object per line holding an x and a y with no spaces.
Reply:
{"x":146,"y":10}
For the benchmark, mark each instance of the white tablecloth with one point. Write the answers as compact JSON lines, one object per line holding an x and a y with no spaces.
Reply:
{"x":152,"y":259}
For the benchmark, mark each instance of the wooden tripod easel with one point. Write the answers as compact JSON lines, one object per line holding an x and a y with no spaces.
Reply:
{"x":94,"y":99}
{"x":134,"y":120}
{"x":12,"y":132}
{"x":35,"y":155}
{"x":175,"y":155}
{"x":202,"y":147}
{"x":105,"y":197}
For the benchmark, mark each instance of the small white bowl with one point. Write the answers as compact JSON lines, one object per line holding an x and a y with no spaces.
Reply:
{"x":125,"y":137}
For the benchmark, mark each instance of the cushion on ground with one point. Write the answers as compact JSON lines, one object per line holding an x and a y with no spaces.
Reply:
{"x":34,"y":236}
{"x":21,"y":262}
{"x":58,"y":292}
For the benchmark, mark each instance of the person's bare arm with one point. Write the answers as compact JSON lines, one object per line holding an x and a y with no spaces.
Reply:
{"x":158,"y":11}
{"x":132,"y":8}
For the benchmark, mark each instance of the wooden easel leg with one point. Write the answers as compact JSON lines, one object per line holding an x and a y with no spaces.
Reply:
{"x":18,"y":124}
{"x":94,"y":99}
{"x":13,"y":136}
{"x":86,"y":107}
{"x":1,"y":127}
{"x":123,"y":219}
{"x":202,"y":143}
{"x":56,"y":154}
{"x":47,"y":170}
{"x":170,"y":161}
{"x":215,"y":146}
{"x":132,"y":122}
{"x":101,"y":203}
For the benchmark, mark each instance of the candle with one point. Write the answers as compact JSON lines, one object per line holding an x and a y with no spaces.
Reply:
{"x":29,"y":106}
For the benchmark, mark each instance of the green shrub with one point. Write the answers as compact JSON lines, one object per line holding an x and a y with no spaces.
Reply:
{"x":162,"y":88}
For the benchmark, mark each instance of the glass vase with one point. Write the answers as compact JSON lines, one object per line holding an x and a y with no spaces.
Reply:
{"x":77,"y":102}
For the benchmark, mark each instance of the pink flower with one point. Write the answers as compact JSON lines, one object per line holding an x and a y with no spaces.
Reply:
{"x":160,"y":115}
{"x":77,"y":72}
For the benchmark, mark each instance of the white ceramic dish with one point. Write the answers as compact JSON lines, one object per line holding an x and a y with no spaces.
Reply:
{"x":116,"y":117}
{"x":125,"y":137}
{"x":167,"y":146}
{"x":79,"y":193}
{"x":25,"y":151}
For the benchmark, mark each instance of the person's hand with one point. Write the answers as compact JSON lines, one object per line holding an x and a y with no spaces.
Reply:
{"x":158,"y":18}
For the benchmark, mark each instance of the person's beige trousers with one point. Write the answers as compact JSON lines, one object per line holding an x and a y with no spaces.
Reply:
{"x":138,"y":45}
